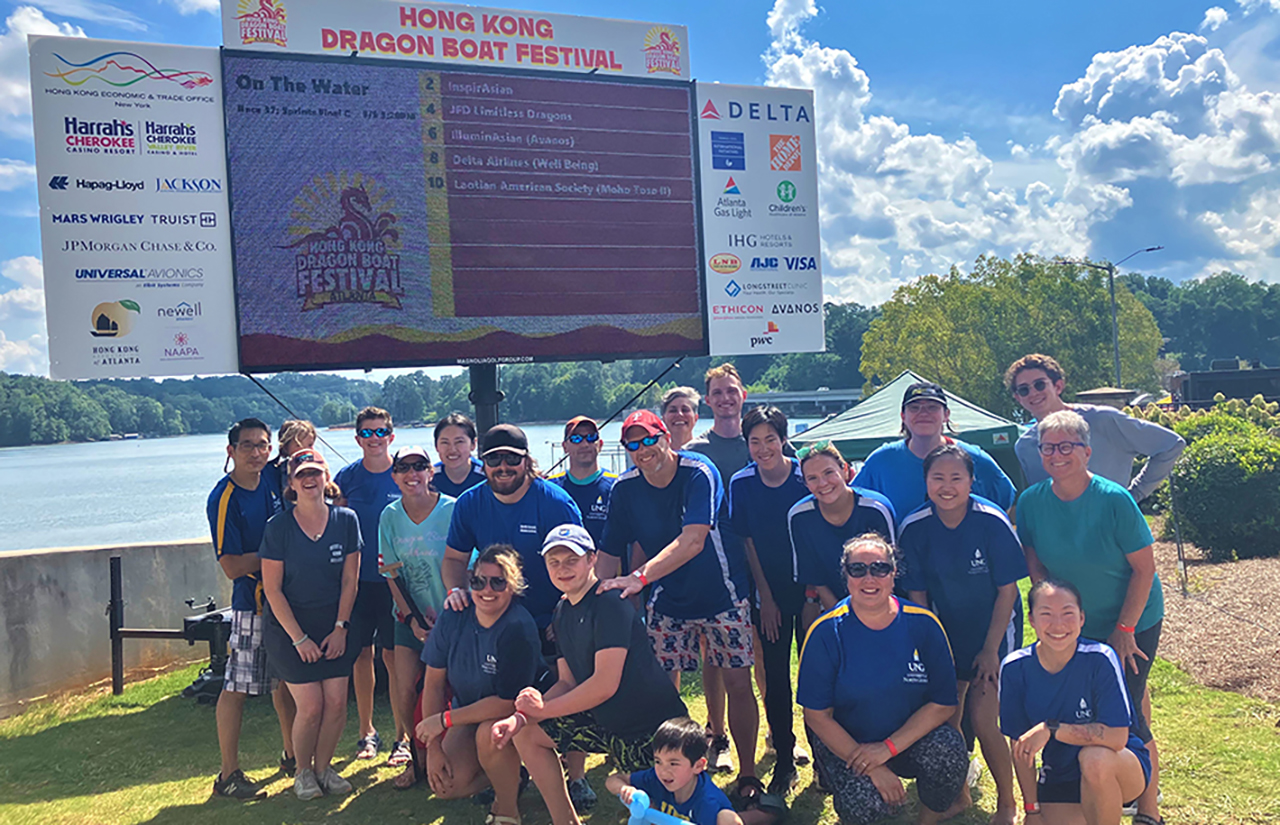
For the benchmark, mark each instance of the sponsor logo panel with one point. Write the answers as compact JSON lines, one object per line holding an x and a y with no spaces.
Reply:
{"x":726,"y":263}
{"x":661,"y":51}
{"x":729,"y":151}
{"x":263,"y":21}
{"x":784,"y":153}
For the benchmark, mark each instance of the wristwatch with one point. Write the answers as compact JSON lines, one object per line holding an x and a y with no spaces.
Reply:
{"x":340,"y":623}
{"x":1053,"y":725}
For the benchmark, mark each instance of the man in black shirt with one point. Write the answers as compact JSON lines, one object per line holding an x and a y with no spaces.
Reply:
{"x":611,"y":695}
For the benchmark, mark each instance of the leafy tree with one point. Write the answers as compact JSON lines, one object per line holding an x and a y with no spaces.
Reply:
{"x":338,"y":412}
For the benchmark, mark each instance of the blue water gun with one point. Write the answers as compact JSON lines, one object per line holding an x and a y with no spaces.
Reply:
{"x":642,"y":814}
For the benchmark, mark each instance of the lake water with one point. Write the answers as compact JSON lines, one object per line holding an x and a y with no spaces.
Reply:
{"x":154,"y":490}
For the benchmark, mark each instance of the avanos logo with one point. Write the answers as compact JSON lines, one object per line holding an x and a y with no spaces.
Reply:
{"x":189,"y":185}
{"x":725,"y":263}
{"x":121,"y":69}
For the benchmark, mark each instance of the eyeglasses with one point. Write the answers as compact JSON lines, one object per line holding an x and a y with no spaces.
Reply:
{"x":498,"y":459}
{"x":415,"y":466}
{"x":380,"y":432}
{"x":859,"y":569}
{"x":1025,"y":389}
{"x":254,"y":446}
{"x":815,"y":447}
{"x":590,"y":438}
{"x":647,"y":441}
{"x":1062,"y":448}
{"x":497,"y":583}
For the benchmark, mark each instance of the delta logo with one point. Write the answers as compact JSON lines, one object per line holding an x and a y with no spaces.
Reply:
{"x":772,"y":112}
{"x":710,"y":112}
{"x":661,"y":51}
{"x":106,"y":137}
{"x":784,"y":153}
{"x":726,"y":263}
{"x":262,"y":21}
{"x":112,"y":319}
{"x":731,"y":187}
{"x":124,"y":69}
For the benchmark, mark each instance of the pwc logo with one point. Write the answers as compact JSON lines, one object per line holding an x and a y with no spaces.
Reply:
{"x":765,"y":339}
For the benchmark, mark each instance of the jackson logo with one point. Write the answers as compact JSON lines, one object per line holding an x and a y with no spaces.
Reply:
{"x":108,"y":137}
{"x":344,"y":250}
{"x":262,"y":21}
{"x":784,"y":153}
{"x":661,"y":51}
{"x":112,"y":319}
{"x":725,"y":263}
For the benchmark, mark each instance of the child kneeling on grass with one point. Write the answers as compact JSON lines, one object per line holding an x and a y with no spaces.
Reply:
{"x":678,"y":783}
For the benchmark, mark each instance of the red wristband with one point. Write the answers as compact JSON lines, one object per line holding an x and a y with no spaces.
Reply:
{"x":1125,"y":628}
{"x":448,"y":720}
{"x":641,"y":577}
{"x":888,"y":743}
{"x":1031,"y":807}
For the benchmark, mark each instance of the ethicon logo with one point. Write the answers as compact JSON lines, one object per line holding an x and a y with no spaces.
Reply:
{"x":709,"y":112}
{"x":262,"y":21}
{"x":784,"y":153}
{"x":112,"y":319}
{"x":730,"y":187}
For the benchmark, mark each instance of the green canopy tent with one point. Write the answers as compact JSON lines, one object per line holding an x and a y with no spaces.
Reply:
{"x":877,"y":420}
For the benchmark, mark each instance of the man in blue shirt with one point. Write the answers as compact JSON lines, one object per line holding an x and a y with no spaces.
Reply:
{"x":586,"y":483}
{"x":367,"y":487}
{"x":238,"y":509}
{"x":668,"y":503}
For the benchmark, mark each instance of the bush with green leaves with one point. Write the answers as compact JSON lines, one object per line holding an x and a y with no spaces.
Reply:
{"x":1229,"y":493}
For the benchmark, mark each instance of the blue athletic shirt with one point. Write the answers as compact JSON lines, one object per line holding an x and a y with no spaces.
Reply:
{"x":440,"y":480}
{"x":759,"y":512}
{"x":818,"y":545}
{"x":368,"y":494}
{"x":592,"y":497}
{"x":501,"y":660}
{"x":898,"y":474}
{"x":709,"y":583}
{"x":701,"y":808}
{"x":1089,"y":689}
{"x":480,"y":520}
{"x":237,"y":518}
{"x":962,"y":570}
{"x":875,"y":679}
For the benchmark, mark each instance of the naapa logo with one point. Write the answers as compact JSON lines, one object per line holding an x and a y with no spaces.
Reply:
{"x":262,"y":21}
{"x":58,"y":182}
{"x":122,"y":69}
{"x":726,"y":263}
{"x":111,"y":319}
{"x":99,"y":137}
{"x":784,"y":153}
{"x":710,"y":112}
{"x":182,"y":349}
{"x":661,"y":51}
{"x":730,"y":187}
{"x":195,"y":186}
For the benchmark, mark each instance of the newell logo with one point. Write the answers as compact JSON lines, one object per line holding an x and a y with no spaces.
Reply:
{"x":58,"y":182}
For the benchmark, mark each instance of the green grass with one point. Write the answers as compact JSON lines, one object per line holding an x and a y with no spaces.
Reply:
{"x":149,"y":757}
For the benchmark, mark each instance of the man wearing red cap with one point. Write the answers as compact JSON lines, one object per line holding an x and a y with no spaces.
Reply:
{"x":586,"y":483}
{"x":668,"y":503}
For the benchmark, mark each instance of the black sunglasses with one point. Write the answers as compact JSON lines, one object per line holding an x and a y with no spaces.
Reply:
{"x":1025,"y":389}
{"x":858,"y":569}
{"x":497,"y":583}
{"x":416,"y":466}
{"x":381,"y":432}
{"x":648,"y":441}
{"x":498,"y":459}
{"x":590,"y":438}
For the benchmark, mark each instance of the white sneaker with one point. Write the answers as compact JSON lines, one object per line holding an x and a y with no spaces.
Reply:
{"x":975,"y":772}
{"x":333,"y":783}
{"x":305,"y":784}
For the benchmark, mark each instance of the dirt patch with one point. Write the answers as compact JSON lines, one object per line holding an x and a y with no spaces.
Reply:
{"x":1226,"y":633}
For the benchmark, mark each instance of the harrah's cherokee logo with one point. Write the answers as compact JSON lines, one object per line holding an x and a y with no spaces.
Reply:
{"x":262,"y":21}
{"x":169,"y":138}
{"x":661,"y":51}
{"x":107,"y":137}
{"x":344,"y":254}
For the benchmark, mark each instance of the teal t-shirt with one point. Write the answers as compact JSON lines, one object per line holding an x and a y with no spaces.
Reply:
{"x":1087,"y":542}
{"x":420,"y":547}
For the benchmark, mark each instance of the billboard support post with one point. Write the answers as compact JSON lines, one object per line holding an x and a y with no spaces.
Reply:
{"x":485,"y":395}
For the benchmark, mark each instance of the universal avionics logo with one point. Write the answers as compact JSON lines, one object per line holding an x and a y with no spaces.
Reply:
{"x":262,"y":21}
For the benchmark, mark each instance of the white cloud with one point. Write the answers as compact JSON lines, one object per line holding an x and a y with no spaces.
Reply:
{"x":1213,"y":18}
{"x":94,"y":11}
{"x":15,"y":174}
{"x":15,"y":82}
{"x":24,"y":303}
{"x":196,"y":6}
{"x":29,"y":356}
{"x":1250,"y":6}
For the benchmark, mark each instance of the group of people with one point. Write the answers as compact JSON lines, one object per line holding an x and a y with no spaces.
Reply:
{"x":527,"y":622}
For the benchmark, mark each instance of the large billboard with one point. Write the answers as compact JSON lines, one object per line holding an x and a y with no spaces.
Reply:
{"x":760,"y":219}
{"x":133,"y":208}
{"x":396,"y":214}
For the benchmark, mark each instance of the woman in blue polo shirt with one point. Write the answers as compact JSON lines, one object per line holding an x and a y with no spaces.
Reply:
{"x":1064,"y":699}
{"x":960,"y":554}
{"x":878,"y":687}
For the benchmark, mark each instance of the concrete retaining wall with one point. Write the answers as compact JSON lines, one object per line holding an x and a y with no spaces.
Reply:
{"x":53,"y":627}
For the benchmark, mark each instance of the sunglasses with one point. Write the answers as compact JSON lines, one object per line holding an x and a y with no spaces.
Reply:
{"x":815,"y":447}
{"x":1025,"y":389}
{"x":591,"y":438}
{"x":380,"y":432}
{"x":647,"y":441}
{"x":498,"y":459}
{"x":303,"y":457}
{"x":414,"y":466}
{"x":858,"y":569}
{"x":1062,"y":448}
{"x":497,"y":583}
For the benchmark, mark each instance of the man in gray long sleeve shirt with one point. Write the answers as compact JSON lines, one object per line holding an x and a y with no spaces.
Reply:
{"x":1037,"y":381}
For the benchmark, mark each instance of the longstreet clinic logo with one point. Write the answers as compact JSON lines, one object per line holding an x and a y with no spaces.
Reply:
{"x":111,"y":319}
{"x":262,"y":21}
{"x":346,"y":237}
{"x":784,"y":153}
{"x":661,"y":51}
{"x":122,"y":69}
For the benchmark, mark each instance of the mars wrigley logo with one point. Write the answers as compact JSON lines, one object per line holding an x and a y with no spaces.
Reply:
{"x":111,"y":137}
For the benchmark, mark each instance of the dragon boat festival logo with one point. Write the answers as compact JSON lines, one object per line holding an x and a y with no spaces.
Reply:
{"x":264,"y":23}
{"x":661,"y":51}
{"x":346,"y":243}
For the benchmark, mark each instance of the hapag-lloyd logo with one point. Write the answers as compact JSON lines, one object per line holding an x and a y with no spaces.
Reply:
{"x":262,"y":21}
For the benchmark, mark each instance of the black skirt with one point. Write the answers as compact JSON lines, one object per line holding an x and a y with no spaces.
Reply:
{"x":283,"y":661}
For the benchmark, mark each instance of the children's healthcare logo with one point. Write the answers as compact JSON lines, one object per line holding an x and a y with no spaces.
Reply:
{"x":262,"y":21}
{"x":121,"y":69}
{"x":661,"y":51}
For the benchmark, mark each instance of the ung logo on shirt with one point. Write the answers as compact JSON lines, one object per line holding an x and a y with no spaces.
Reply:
{"x":490,"y":664}
{"x":977,"y":564}
{"x":529,"y":528}
{"x":916,"y":673}
{"x":1084,"y":714}
{"x":335,"y":554}
{"x":599,"y":510}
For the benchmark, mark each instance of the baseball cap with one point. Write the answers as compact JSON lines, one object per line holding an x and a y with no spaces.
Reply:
{"x":573,"y":536}
{"x":579,"y":419}
{"x":924,"y":391}
{"x":506,"y":437}
{"x":644,"y":418}
{"x":406,"y":452}
{"x":303,"y":459}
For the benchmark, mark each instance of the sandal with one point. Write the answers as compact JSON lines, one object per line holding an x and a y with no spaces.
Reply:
{"x":368,"y":746}
{"x":400,"y":754}
{"x":1147,"y":819}
{"x":406,"y":779}
{"x":494,"y":819}
{"x":746,"y":793}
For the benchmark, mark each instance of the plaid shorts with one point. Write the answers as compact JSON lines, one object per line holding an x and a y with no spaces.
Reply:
{"x":246,"y":656}
{"x":728,"y":634}
{"x":580,"y":732}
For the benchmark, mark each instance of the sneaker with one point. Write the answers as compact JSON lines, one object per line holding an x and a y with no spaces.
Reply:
{"x":368,"y":747}
{"x":305,"y":784}
{"x":400,"y":754}
{"x":333,"y":783}
{"x":974,"y":774}
{"x":288,"y":764}
{"x":237,"y":786}
{"x":718,"y":755}
{"x":581,"y":795}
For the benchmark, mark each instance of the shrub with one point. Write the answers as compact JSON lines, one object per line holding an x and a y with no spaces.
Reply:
{"x":1194,"y":427}
{"x":1229,"y":494}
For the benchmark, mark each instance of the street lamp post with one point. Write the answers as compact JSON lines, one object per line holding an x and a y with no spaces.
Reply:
{"x":1110,"y":269}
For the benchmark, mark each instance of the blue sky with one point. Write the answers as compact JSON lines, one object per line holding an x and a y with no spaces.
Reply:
{"x":946,"y":130}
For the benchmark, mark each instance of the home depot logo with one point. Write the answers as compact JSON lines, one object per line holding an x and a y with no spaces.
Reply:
{"x":784,"y":153}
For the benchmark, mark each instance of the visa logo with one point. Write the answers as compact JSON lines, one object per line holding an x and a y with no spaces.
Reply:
{"x":801,"y":263}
